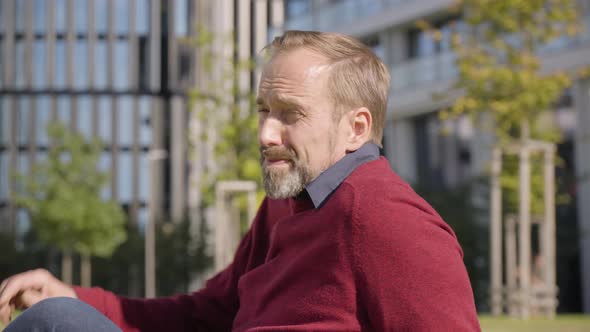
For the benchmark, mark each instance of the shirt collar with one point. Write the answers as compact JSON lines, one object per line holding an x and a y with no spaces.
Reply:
{"x":321,"y":187}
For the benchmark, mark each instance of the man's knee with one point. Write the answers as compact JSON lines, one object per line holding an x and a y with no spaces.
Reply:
{"x":60,"y":314}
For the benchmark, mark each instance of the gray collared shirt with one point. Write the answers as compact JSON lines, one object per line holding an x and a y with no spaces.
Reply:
{"x":321,"y":187}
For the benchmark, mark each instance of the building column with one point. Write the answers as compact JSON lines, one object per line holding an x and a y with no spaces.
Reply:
{"x":582,"y":165}
{"x":178,"y":158}
{"x":399,"y":143}
{"x":396,"y":53}
{"x":397,"y":47}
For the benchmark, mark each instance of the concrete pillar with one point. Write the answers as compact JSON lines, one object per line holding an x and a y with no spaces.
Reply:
{"x":178,"y":158}
{"x":524,"y":230}
{"x":278,"y":13}
{"x":582,"y":166}
{"x":496,"y":234}
{"x":200,"y":13}
{"x":401,"y":148}
{"x":511,"y":266}
{"x":398,"y":47}
{"x":548,"y":235}
{"x":259,"y":33}
{"x":227,"y":231}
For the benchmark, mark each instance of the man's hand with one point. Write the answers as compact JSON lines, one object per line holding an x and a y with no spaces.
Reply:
{"x":25,"y":289}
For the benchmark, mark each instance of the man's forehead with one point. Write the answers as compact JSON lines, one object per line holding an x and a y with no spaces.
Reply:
{"x":299,"y":63}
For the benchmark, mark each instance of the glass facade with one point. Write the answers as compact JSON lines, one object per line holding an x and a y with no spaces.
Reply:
{"x":87,"y":63}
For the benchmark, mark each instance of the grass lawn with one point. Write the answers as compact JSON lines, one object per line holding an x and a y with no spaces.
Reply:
{"x":13,"y":316}
{"x":563,"y":323}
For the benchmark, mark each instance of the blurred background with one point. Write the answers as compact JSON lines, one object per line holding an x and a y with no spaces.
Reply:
{"x":129,"y":73}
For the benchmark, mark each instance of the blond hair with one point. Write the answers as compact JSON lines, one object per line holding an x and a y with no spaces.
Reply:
{"x":358,"y":78}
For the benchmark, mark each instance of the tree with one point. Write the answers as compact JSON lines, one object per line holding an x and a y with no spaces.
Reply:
{"x":500,"y":74}
{"x":229,"y":107}
{"x":63,"y":198}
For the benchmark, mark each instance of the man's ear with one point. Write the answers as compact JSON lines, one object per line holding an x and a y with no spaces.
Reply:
{"x":360,"y":124}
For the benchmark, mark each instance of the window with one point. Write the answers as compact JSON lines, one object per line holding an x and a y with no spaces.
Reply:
{"x":60,"y":15}
{"x":84,"y":124}
{"x":375,"y":44}
{"x":80,"y":67}
{"x":22,"y":166}
{"x":63,"y":110}
{"x":125,"y":177}
{"x":22,"y":119}
{"x":19,"y":68}
{"x":5,"y":121}
{"x":81,"y":16}
{"x":4,"y":176}
{"x":2,"y":69}
{"x":423,"y":44}
{"x":1,"y":17}
{"x":60,"y":64}
{"x":19,"y":16}
{"x":143,"y":63}
{"x":100,"y":65}
{"x":39,"y":68}
{"x":445,"y":42}
{"x":121,"y":17}
{"x":428,"y":170}
{"x":39,"y":15}
{"x":295,"y":8}
{"x":43,"y":119}
{"x":101,"y":18}
{"x":121,"y":70}
{"x":104,"y":165}
{"x":125,"y":120}
{"x":145,"y":127}
{"x":142,"y":16}
{"x":184,"y":64}
{"x":104,"y":119}
{"x":181,"y":13}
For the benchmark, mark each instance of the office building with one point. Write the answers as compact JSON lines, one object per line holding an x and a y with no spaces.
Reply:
{"x":421,"y":67}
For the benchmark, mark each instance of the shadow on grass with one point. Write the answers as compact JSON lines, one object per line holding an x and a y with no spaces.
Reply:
{"x":562,"y":323}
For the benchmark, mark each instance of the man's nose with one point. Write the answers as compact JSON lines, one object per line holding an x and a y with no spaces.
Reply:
{"x":270,"y":132}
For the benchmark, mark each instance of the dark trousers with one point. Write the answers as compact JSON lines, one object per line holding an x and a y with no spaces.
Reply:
{"x":61,"y":314}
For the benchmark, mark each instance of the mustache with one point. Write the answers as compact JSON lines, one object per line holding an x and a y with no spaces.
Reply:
{"x":277,"y":152}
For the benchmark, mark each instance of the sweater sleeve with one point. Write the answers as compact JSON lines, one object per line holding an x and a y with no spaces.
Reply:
{"x":411,"y":275}
{"x":211,"y":309}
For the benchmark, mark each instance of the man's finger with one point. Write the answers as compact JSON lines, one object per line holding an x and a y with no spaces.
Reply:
{"x":28,"y":280}
{"x":5,"y":313}
{"x":28,"y":298}
{"x":3,"y":285}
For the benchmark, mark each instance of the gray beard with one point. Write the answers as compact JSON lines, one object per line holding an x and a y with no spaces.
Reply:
{"x":281,"y":184}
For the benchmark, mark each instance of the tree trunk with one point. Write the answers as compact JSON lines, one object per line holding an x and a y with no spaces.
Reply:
{"x":66,"y":267}
{"x":85,"y":270}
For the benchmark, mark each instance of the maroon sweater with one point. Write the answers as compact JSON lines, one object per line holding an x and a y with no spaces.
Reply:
{"x":373,"y":257}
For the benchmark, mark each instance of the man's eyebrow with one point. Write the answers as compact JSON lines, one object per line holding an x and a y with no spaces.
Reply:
{"x":284,"y":100}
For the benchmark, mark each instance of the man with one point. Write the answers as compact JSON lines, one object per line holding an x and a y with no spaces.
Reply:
{"x":340,"y":243}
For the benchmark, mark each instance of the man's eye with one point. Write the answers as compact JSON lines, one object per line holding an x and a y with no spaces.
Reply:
{"x":263,"y":110}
